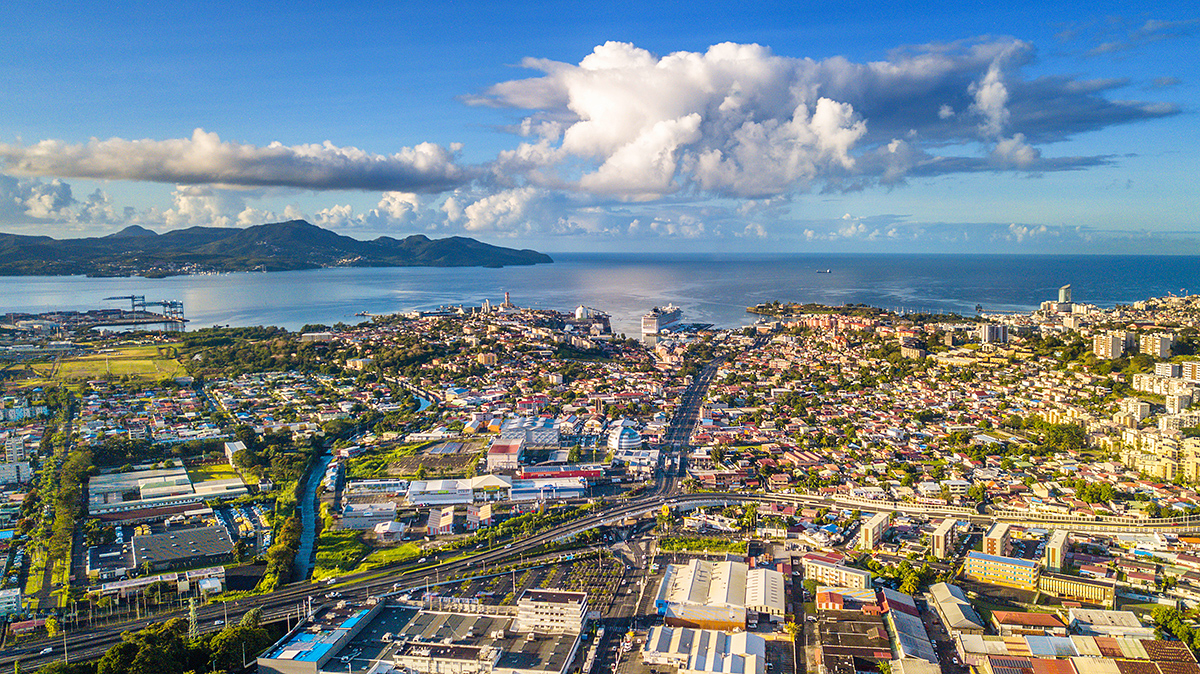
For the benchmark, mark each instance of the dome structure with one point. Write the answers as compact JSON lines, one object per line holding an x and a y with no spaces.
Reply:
{"x":624,"y":437}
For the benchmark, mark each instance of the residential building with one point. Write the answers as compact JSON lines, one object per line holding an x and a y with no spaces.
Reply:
{"x":1158,"y":346}
{"x":997,"y":570}
{"x":1171,"y":370}
{"x":944,"y":538}
{"x":441,"y":521}
{"x":1014,"y":623}
{"x":1056,"y":551}
{"x":872,"y":530}
{"x":836,"y":575}
{"x":993,"y":334}
{"x":995,"y":541}
{"x":1190,"y":371}
{"x":1109,"y":345}
{"x":10,"y":602}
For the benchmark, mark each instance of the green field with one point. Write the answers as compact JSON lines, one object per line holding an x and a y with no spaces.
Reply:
{"x":215,"y":471}
{"x":338,"y":552}
{"x":142,"y":362}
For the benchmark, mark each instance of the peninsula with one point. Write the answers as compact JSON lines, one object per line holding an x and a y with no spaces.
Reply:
{"x":281,"y":246}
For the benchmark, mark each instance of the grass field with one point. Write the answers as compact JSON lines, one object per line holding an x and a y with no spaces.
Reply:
{"x":143,"y":362}
{"x":338,"y":552}
{"x":214,"y":471}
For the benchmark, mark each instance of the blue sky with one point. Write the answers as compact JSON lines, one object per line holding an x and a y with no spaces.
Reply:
{"x":954,"y":127}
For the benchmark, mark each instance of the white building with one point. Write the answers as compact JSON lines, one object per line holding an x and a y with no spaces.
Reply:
{"x":551,"y":612}
{"x":1158,"y":346}
{"x":694,"y":651}
{"x":716,"y":595}
{"x":10,"y":602}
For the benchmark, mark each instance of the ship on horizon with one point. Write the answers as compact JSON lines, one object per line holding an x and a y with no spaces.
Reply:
{"x":661,"y":318}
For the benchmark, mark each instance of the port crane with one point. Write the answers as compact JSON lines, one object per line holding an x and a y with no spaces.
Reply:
{"x":135,"y":301}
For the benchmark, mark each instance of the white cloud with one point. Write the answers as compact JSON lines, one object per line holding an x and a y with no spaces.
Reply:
{"x":738,"y":120}
{"x":204,"y":159}
{"x":991,"y":102}
{"x":505,"y":211}
{"x":1015,"y":152}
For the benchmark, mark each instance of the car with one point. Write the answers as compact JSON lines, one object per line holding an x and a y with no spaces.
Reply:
{"x":47,"y":650}
{"x":218,"y":622}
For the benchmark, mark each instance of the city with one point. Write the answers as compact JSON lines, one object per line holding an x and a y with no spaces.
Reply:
{"x":505,"y":489}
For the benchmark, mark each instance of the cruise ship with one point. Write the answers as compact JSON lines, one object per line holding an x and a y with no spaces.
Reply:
{"x":661,"y":318}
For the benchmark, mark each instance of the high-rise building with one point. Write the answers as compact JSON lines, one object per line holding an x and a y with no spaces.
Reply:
{"x":872,"y":531}
{"x":1172,"y":370}
{"x":995,"y":541}
{"x":1056,"y":551}
{"x":1177,"y":403}
{"x":1158,"y":346}
{"x":993,"y":334}
{"x":1109,"y":345}
{"x":943,"y":538}
{"x":1190,"y":371}
{"x":1064,"y":293}
{"x":14,"y":449}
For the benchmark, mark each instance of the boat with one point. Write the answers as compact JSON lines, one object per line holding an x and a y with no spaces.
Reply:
{"x":824,"y":271}
{"x":661,"y":318}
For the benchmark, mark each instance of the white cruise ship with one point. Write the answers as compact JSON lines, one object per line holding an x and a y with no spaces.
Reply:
{"x":661,"y":318}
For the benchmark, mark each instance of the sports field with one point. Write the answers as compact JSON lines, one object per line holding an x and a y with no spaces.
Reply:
{"x":147,"y":363}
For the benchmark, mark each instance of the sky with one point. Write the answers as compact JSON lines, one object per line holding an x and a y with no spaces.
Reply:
{"x":1014,"y":127}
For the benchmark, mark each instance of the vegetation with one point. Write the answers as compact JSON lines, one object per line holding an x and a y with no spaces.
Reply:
{"x":700,"y":544}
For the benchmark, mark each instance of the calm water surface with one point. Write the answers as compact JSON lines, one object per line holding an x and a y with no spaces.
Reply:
{"x":710,"y":288}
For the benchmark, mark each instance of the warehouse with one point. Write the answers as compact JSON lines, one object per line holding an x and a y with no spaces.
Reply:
{"x":182,"y":547}
{"x":716,"y":595}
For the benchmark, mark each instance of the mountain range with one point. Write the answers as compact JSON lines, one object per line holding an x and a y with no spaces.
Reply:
{"x":280,"y":246}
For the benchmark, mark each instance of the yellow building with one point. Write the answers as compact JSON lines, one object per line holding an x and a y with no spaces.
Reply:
{"x":1007,"y":571}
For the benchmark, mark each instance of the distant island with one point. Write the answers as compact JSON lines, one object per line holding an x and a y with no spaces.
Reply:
{"x":280,"y":246}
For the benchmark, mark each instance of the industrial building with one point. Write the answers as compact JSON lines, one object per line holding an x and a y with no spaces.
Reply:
{"x":716,"y":595}
{"x":694,"y":651}
{"x":182,"y":547}
{"x":957,"y":614}
{"x":382,"y":638}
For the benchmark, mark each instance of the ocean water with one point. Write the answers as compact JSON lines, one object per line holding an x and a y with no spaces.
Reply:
{"x":710,"y":288}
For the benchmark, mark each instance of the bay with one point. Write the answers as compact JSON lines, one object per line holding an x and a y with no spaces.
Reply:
{"x":710,"y":288}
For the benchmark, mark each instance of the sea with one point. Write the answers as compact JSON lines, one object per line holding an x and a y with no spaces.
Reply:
{"x":712,"y":289}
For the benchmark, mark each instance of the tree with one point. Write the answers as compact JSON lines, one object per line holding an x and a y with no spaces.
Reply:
{"x":793,"y":630}
{"x":253,"y":617}
{"x":977,"y":492}
{"x":52,"y":626}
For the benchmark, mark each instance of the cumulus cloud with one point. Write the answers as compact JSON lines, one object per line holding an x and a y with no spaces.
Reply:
{"x":738,"y":120}
{"x":28,"y":201}
{"x":204,"y":159}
